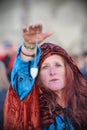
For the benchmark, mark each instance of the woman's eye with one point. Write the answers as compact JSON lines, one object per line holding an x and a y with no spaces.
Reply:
{"x":58,"y":65}
{"x":44,"y":67}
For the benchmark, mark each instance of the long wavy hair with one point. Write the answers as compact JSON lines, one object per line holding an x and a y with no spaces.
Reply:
{"x":74,"y":94}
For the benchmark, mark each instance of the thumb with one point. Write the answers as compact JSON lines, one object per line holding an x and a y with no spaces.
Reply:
{"x":47,"y":34}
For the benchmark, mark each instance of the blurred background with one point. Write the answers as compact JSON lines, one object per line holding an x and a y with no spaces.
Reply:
{"x":66,"y":18}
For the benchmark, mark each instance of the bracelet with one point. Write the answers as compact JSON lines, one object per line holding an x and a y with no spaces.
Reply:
{"x":29,"y":47}
{"x":27,"y":55}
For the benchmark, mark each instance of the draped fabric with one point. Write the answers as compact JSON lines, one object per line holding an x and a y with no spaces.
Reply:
{"x":22,"y":115}
{"x":25,"y":114}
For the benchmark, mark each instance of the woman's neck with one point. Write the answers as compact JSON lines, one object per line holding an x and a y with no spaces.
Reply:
{"x":60,"y":99}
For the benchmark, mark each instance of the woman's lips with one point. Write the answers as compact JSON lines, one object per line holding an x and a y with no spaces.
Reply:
{"x":54,"y":79}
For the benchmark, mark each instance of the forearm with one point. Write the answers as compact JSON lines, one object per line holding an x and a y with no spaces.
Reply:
{"x":21,"y":79}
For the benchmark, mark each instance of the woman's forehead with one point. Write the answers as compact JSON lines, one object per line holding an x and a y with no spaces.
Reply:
{"x":52,"y":58}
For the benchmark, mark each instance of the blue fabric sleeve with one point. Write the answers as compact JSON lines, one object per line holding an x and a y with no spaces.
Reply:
{"x":21,"y":80}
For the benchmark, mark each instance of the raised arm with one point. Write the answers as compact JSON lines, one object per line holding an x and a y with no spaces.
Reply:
{"x":21,"y":78}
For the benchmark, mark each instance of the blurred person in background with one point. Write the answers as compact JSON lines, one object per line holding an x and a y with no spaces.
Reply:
{"x":84,"y":67}
{"x":7,"y":56}
{"x":47,"y":91}
{"x":4,"y":82}
{"x":4,"y":85}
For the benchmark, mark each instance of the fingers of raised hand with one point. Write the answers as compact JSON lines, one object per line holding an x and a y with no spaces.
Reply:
{"x":38,"y":28}
{"x":24,"y":30}
{"x":35,"y":29}
{"x":34,"y":33}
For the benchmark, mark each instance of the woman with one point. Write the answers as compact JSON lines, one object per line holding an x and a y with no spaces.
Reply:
{"x":53,"y":99}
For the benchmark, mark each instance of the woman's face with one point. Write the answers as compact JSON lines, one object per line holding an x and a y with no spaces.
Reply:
{"x":52,"y":73}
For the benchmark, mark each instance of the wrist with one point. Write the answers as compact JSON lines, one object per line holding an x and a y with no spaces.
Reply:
{"x":27,"y":51}
{"x":29,"y":46}
{"x":26,"y":54}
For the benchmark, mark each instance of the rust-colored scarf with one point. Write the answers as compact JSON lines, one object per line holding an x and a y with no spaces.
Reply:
{"x":22,"y":115}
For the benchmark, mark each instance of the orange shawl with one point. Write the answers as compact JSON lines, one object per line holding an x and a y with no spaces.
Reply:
{"x":22,"y":115}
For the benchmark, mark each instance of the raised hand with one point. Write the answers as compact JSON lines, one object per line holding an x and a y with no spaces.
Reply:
{"x":34,"y":34}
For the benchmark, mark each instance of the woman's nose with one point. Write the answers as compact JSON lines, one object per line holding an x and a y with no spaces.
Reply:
{"x":52,"y":71}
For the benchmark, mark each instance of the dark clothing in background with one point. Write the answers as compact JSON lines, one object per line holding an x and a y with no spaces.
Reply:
{"x":84,"y":71}
{"x":2,"y":98}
